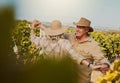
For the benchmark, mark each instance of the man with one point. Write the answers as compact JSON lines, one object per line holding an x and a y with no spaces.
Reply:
{"x":54,"y":45}
{"x":86,"y":47}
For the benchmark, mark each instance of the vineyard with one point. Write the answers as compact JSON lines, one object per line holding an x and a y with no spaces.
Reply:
{"x":22,"y":62}
{"x":108,"y":41}
{"x":29,"y":53}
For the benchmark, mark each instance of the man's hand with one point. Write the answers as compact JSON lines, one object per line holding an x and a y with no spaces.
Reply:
{"x":104,"y":67}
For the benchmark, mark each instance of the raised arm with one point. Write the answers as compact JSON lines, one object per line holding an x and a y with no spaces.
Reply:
{"x":34,"y":39}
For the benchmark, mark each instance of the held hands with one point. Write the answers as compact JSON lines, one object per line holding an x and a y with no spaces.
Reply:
{"x":104,"y":67}
{"x":94,"y":67}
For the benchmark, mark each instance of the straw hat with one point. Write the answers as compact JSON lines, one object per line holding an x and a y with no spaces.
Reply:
{"x":55,"y":28}
{"x":84,"y":22}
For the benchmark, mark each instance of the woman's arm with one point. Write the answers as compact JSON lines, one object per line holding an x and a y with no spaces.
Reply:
{"x":34,"y":39}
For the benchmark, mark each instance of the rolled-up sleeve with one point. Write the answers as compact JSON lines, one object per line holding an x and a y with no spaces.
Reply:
{"x":98,"y":56}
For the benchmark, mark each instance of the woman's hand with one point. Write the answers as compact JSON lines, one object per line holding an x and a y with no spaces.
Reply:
{"x":95,"y":67}
{"x":36,"y":23}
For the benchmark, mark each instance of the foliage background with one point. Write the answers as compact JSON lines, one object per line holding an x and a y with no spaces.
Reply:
{"x":29,"y":68}
{"x":109,"y":41}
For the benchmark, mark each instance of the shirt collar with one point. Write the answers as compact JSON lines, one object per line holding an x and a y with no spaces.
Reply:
{"x":89,"y":39}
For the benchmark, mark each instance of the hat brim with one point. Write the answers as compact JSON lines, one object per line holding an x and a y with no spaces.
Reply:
{"x":90,"y":28}
{"x":51,"y":32}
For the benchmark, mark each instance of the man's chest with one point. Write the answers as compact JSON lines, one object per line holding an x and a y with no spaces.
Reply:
{"x":83,"y":49}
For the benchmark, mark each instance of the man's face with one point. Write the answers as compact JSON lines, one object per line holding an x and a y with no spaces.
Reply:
{"x":81,"y":31}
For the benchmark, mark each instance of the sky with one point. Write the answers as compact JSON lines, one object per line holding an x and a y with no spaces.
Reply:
{"x":100,"y":12}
